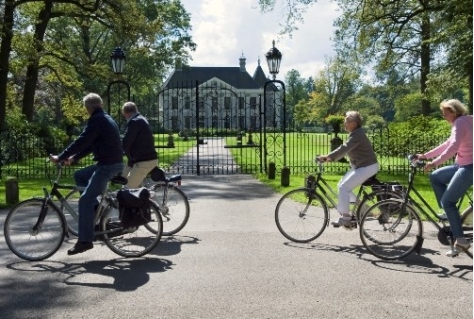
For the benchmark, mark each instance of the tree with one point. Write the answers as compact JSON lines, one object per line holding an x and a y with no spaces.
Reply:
{"x":295,"y":92}
{"x":333,"y":88}
{"x":66,"y":45}
{"x":400,"y":36}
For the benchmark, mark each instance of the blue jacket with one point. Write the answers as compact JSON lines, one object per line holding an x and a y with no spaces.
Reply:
{"x":101,"y":137}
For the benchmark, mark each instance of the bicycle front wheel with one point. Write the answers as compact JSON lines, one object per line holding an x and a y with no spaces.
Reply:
{"x":301,"y":215}
{"x":389,"y":231}
{"x":174,"y":207}
{"x":32,"y":240}
{"x":132,"y":242}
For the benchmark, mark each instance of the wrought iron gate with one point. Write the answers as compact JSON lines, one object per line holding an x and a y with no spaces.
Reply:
{"x":211,"y":128}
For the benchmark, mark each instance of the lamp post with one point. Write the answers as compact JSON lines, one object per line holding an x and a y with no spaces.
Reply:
{"x":117,"y":57}
{"x":274,"y":57}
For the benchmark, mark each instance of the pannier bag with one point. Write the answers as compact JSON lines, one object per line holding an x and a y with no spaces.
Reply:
{"x":134,"y":207}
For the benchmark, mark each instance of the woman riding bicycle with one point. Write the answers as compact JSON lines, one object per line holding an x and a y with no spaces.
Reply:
{"x":451,"y":182}
{"x":363,"y":165}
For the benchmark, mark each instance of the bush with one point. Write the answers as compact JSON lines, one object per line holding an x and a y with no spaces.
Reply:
{"x":399,"y":139}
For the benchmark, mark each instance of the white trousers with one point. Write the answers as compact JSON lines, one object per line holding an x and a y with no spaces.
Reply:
{"x":352,"y":179}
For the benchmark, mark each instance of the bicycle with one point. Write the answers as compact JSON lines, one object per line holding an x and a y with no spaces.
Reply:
{"x":393,"y":228}
{"x":302,"y":214}
{"x":165,"y":192}
{"x":173,"y":202}
{"x":36,"y":228}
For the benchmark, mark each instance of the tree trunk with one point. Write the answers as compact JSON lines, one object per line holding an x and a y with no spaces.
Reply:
{"x":5,"y":49}
{"x":32,"y":70}
{"x":425,"y":64}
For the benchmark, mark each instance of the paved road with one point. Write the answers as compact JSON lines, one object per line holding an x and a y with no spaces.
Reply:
{"x":231,"y":262}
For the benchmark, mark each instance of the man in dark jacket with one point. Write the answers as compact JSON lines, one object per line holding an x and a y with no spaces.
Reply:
{"x":101,"y":137}
{"x":138,"y":145}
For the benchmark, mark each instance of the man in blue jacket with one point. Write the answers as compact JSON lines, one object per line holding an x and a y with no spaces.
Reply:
{"x":101,"y":137}
{"x":138,"y":145}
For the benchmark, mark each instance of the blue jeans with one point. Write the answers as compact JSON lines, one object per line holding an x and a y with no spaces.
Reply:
{"x":95,"y":179}
{"x":449,"y":184}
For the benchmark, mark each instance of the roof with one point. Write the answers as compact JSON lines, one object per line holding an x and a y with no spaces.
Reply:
{"x":187,"y":77}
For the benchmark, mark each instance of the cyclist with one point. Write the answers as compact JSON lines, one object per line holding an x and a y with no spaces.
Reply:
{"x":363,"y":163}
{"x":101,"y":137}
{"x":451,"y":182}
{"x":138,"y":145}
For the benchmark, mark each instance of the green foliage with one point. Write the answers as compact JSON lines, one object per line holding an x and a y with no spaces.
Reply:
{"x":400,"y":138}
{"x":334,"y":119}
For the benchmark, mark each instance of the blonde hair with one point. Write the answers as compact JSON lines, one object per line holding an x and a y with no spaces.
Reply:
{"x":454,"y":106}
{"x":354,"y":116}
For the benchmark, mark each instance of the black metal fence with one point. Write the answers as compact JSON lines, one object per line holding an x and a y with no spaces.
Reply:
{"x":25,"y":156}
{"x":213,"y":128}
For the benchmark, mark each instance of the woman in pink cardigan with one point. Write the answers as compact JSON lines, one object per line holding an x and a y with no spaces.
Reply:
{"x":451,"y":182}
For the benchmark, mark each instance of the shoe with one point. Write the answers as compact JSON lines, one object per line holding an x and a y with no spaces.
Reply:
{"x":80,"y":247}
{"x":452,"y":253}
{"x":346,"y":223}
{"x":461,"y":245}
{"x":443,"y":216}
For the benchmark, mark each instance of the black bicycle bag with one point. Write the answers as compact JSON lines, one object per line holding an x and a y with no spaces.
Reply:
{"x":134,"y":207}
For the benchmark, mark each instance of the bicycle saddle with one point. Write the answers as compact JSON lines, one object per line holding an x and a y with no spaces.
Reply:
{"x":371,"y":181}
{"x":119,"y":179}
{"x":158,"y":175}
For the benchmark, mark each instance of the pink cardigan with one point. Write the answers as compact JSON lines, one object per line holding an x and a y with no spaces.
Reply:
{"x":459,"y":144}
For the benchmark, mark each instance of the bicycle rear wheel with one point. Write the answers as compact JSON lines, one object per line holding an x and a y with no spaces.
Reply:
{"x":373,"y":198}
{"x":390,"y":232}
{"x":301,"y":215}
{"x":174,"y":207}
{"x":132,"y":242}
{"x":34,"y":244}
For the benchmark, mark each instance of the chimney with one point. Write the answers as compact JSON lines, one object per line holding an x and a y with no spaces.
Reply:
{"x":242,"y":63}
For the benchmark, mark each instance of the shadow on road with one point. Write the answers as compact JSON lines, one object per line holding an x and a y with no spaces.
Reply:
{"x":172,"y":245}
{"x":127,"y":274}
{"x":413,"y":263}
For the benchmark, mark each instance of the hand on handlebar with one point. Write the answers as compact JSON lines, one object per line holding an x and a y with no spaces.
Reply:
{"x":322,"y":159}
{"x":55,"y":159}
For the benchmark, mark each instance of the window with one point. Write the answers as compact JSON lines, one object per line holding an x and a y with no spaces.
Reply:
{"x":253,"y":102}
{"x":187,"y":122}
{"x":242,"y":122}
{"x":214,"y":103}
{"x":241,"y":103}
{"x":174,"y":103}
{"x":227,"y":102}
{"x":187,"y":103}
{"x":215,"y":122}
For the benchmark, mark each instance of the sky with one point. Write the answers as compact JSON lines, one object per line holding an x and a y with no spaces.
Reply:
{"x":225,"y":29}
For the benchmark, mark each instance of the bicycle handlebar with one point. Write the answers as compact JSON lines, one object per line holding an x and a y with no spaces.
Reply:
{"x":415,"y":162}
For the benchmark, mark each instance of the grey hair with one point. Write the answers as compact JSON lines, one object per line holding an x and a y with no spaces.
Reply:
{"x":455,"y":106}
{"x":93,"y":101}
{"x":354,"y":116}
{"x":129,"y":107}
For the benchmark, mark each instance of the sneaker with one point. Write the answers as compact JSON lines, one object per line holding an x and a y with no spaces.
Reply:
{"x":443,"y":216}
{"x":452,"y":253}
{"x":346,"y":223}
{"x":461,"y":245}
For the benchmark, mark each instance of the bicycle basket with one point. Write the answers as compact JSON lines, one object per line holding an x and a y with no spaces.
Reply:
{"x":134,"y":207}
